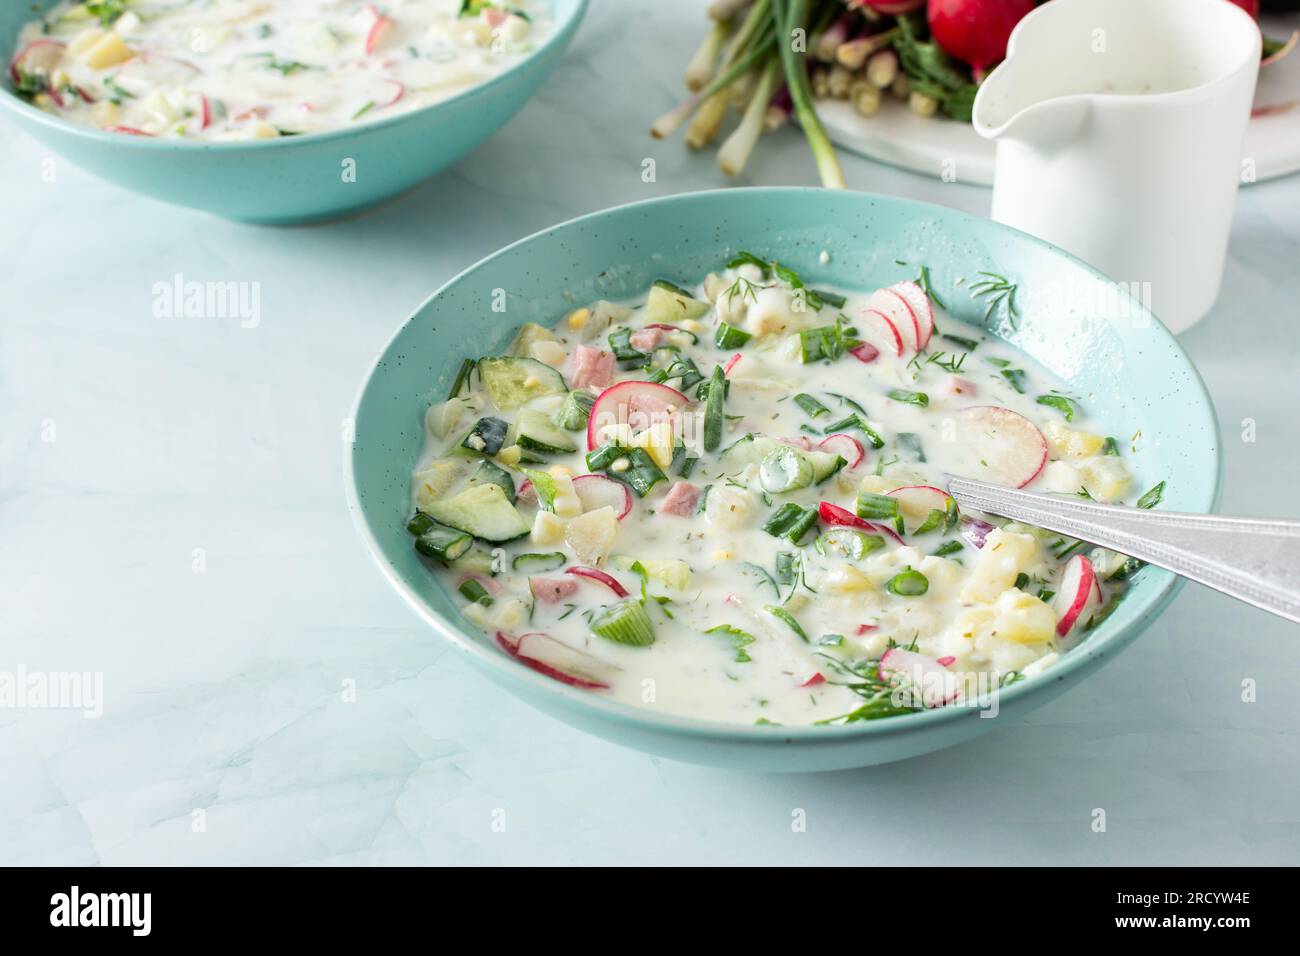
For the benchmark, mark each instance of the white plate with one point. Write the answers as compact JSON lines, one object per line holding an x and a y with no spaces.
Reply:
{"x":950,"y":150}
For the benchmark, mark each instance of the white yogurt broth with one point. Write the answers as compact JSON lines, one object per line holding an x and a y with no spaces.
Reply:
{"x":259,"y":69}
{"x":726,"y":617}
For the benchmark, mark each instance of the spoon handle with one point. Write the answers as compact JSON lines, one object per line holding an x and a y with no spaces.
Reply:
{"x":1256,"y":560}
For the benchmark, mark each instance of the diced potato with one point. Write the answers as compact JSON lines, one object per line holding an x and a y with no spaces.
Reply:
{"x":441,"y":419}
{"x":1106,"y":478}
{"x":510,"y":456}
{"x":548,"y":529}
{"x":1059,"y":477}
{"x":435,"y":480}
{"x":846,"y":579}
{"x":1004,"y":555}
{"x":549,"y":353}
{"x":107,"y":51}
{"x":728,"y":507}
{"x":940,"y":572}
{"x":657,"y":440}
{"x":84,"y":40}
{"x":970,"y":625}
{"x":620,"y":432}
{"x":1023,"y":618}
{"x":107,"y":113}
{"x":567,"y":504}
{"x":530,"y":334}
{"x":591,"y":536}
{"x":668,"y":571}
{"x":876,"y":485}
{"x":1069,"y":443}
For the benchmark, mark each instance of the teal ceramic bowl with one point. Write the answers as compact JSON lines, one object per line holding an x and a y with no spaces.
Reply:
{"x":294,"y":179}
{"x":1132,"y":374}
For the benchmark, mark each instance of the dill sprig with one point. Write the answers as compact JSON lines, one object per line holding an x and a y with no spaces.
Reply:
{"x":996,"y":290}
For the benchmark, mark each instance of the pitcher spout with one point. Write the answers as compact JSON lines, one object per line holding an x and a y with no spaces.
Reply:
{"x":1002,"y":113}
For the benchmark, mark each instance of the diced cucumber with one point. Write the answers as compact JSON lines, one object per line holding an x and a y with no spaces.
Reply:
{"x":435,"y":540}
{"x":746,"y":450}
{"x":573,"y":414}
{"x":529,"y":333}
{"x":730,"y":337}
{"x":824,"y":464}
{"x":491,"y":473}
{"x":513,"y":381}
{"x":474,"y":561}
{"x":436,"y":479}
{"x":483,"y":511}
{"x":535,"y":432}
{"x":625,"y":622}
{"x":670,"y":304}
{"x":539,"y":562}
{"x":487,"y":436}
{"x":785,"y":469}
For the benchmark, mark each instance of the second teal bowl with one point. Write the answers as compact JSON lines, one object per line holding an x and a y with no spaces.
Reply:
{"x":1133,"y":375}
{"x":294,"y":179}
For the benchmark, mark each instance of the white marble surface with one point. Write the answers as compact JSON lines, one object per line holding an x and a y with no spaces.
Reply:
{"x":223,"y":688}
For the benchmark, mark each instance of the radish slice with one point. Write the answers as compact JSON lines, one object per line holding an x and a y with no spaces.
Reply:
{"x":380,"y":29}
{"x":38,"y":58}
{"x":128,"y":130}
{"x":892,"y":305}
{"x":881,"y":330}
{"x":865,"y":353}
{"x":1002,"y":446}
{"x":835,"y":515}
{"x":597,"y":491}
{"x":922,"y":312}
{"x":731,"y":363}
{"x":205,"y":112}
{"x":866,"y":629}
{"x":814,"y":681}
{"x":846,"y":446}
{"x":937,"y":684}
{"x":639,"y":404}
{"x":975,"y":531}
{"x":600,"y":576}
{"x":398,"y":92}
{"x":915,"y":502}
{"x":561,"y":662}
{"x":947,"y":661}
{"x":1078,"y":596}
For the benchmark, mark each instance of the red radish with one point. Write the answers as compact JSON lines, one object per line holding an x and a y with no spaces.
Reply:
{"x":205,"y":112}
{"x":561,"y":662}
{"x":38,"y":59}
{"x":597,"y":491}
{"x":835,"y":515}
{"x":731,"y":363}
{"x":975,"y":531}
{"x":599,"y":576}
{"x":55,"y":95}
{"x":946,"y":661}
{"x":917,"y":501}
{"x":85,"y":97}
{"x":880,"y":329}
{"x":891,"y":304}
{"x":865,"y":353}
{"x":662,"y":326}
{"x":892,"y":8}
{"x":639,"y":404}
{"x":846,"y":446}
{"x":128,"y":130}
{"x":552,"y":590}
{"x":937,"y":684}
{"x":867,"y":629}
{"x":922,"y":310}
{"x":1079,"y":592}
{"x":814,"y":680}
{"x":975,"y":31}
{"x":1011,"y":451}
{"x":380,"y":29}
{"x":1250,"y":6}
{"x":398,"y":92}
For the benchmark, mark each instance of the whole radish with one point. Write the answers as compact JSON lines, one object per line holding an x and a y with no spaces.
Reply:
{"x":1250,"y":6}
{"x":975,"y":31}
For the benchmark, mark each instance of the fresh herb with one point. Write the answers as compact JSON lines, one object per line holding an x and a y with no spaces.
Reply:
{"x":462,"y":378}
{"x":1017,"y":378}
{"x":909,"y":398}
{"x":765,"y":578}
{"x":933,"y":72}
{"x":1067,"y":407}
{"x":826,"y":342}
{"x":911,"y":443}
{"x":1152,"y":497}
{"x":788,"y":619}
{"x":1111,"y":447}
{"x":749,"y":259}
{"x":739,"y":640}
{"x":948,"y":547}
{"x":969,"y":345}
{"x":923,"y":280}
{"x":997,"y":290}
{"x":620,"y":343}
{"x":713,"y":407}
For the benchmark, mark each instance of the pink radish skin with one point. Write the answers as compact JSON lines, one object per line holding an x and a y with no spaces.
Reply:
{"x":836,"y":516}
{"x":731,"y":363}
{"x":128,"y":130}
{"x":558,"y":661}
{"x":917,"y":501}
{"x":1079,"y":592}
{"x":597,"y":491}
{"x":205,"y":112}
{"x":893,"y":7}
{"x":975,"y":31}
{"x":640,"y":404}
{"x":946,"y":661}
{"x":881,"y":330}
{"x":380,"y":29}
{"x":598,"y":576}
{"x":1014,"y":449}
{"x":922,"y":311}
{"x":38,"y":58}
{"x":892,"y":305}
{"x":867,"y":629}
{"x":846,"y":446}
{"x":938,"y":685}
{"x":814,"y":681}
{"x":488,"y":584}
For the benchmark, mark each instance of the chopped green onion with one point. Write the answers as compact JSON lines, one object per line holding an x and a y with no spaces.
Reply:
{"x":536,"y":562}
{"x":730,"y":337}
{"x":947,"y":548}
{"x":602,"y":457}
{"x":641,"y":475}
{"x":876,"y":507}
{"x":626,"y":622}
{"x":713,"y":404}
{"x":909,"y":398}
{"x":790,"y":521}
{"x":1017,"y":378}
{"x":810,"y":405}
{"x":908,"y":583}
{"x":473,"y":591}
{"x":855,"y":421}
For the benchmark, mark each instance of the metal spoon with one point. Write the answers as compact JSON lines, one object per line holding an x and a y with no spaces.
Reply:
{"x":1256,"y":560}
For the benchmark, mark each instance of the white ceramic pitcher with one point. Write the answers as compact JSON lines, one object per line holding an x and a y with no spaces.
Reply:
{"x":1119,"y":126}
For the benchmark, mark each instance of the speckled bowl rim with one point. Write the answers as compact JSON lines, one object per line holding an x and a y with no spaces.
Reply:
{"x":561,"y":35}
{"x":1165,"y":585}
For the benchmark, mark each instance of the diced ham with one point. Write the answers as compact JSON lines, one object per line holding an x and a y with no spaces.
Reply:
{"x":959,"y":387}
{"x":644,"y":340}
{"x":591,"y":367}
{"x":553,"y":590}
{"x":681,"y":500}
